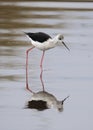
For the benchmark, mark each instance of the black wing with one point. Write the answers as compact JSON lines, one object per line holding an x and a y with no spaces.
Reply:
{"x":39,"y":36}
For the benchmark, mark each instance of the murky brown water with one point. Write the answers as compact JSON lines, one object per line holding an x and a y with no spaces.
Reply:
{"x":65,"y":73}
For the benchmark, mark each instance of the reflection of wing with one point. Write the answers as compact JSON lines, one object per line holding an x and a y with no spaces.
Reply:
{"x":39,"y":36}
{"x":41,"y":100}
{"x":37,"y":104}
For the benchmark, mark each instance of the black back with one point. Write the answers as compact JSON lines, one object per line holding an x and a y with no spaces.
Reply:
{"x":39,"y":36}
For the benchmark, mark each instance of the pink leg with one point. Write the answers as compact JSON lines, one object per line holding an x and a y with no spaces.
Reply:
{"x":42,"y":80}
{"x":42,"y":60}
{"x":27,"y":87}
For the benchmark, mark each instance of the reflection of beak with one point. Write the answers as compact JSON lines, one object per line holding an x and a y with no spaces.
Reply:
{"x":65,"y":46}
{"x":64,"y":99}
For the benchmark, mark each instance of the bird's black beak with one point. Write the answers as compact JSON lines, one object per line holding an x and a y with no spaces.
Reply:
{"x":65,"y":45}
{"x":64,"y":99}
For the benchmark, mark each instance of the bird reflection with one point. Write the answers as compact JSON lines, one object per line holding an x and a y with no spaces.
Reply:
{"x":43,"y":100}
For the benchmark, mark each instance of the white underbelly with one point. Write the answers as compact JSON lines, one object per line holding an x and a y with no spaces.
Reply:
{"x":43,"y":46}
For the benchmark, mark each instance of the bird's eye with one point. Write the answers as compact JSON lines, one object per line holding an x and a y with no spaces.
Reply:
{"x":60,"y":38}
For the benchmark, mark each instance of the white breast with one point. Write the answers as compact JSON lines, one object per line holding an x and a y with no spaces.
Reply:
{"x":45,"y":45}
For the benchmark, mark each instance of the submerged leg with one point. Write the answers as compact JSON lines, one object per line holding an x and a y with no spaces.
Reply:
{"x":27,"y":87}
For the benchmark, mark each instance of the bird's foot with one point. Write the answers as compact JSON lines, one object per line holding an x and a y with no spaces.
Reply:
{"x":29,"y":89}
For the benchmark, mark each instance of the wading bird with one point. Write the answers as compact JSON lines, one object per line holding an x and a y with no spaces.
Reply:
{"x":43,"y":42}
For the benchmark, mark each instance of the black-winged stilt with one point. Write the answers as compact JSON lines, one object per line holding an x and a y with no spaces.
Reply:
{"x":44,"y":100}
{"x":43,"y":42}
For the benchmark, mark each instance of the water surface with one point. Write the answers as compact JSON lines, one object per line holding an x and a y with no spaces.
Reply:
{"x":65,"y":73}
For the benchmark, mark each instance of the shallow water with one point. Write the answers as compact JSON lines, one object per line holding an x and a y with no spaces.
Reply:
{"x":65,"y":73}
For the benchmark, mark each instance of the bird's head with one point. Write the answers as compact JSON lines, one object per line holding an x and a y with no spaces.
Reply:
{"x":60,"y":104}
{"x":60,"y":40}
